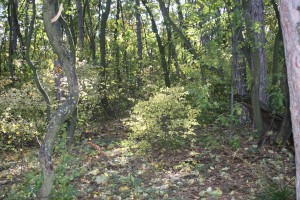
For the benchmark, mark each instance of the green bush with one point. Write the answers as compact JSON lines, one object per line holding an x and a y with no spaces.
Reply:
{"x":165,"y":120}
{"x":273,"y":190}
{"x":22,"y":114}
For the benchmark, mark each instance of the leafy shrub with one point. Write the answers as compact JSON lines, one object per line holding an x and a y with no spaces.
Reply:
{"x":22,"y":116}
{"x":28,"y":189}
{"x":273,"y":190}
{"x":165,"y":120}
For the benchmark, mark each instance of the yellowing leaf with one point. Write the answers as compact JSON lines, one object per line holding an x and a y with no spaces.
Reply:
{"x":123,"y":188}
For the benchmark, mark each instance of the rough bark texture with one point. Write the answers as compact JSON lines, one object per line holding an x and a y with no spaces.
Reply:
{"x":290,"y":21}
{"x":255,"y":62}
{"x":257,"y":18}
{"x":239,"y":65}
{"x":67,"y":108}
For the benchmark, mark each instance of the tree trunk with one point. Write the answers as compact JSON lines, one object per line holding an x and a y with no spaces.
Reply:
{"x":67,"y":57}
{"x":290,"y":21}
{"x":239,"y":65}
{"x":160,"y":47}
{"x":80,"y":24}
{"x":139,"y":40}
{"x":12,"y":43}
{"x":257,"y":17}
{"x":180,"y":14}
{"x":255,"y":62}
{"x":168,"y":19}
{"x":117,"y":47}
{"x":32,"y":66}
{"x":91,"y":32}
{"x":103,"y":74}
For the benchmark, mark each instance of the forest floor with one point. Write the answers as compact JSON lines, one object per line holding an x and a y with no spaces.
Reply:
{"x":225,"y":163}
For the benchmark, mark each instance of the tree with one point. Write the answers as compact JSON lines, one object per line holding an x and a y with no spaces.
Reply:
{"x":139,"y":39}
{"x":290,"y":20}
{"x":103,"y":62}
{"x":67,"y":57}
{"x":32,"y":66}
{"x":80,"y":24}
{"x":253,"y":19}
{"x":90,"y":30}
{"x":161,"y":48}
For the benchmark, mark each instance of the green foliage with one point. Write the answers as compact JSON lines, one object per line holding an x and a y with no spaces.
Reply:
{"x":273,"y":190}
{"x":234,"y":142}
{"x":87,"y":76}
{"x":65,"y":174}
{"x":276,"y":98}
{"x":29,"y":188}
{"x":165,"y":120}
{"x":22,"y":116}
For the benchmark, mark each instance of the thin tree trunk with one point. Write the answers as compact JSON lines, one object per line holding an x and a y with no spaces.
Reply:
{"x":160,"y":47}
{"x":12,"y":43}
{"x":117,"y":47}
{"x":103,"y":63}
{"x":278,"y":41}
{"x":91,"y":32}
{"x":139,"y":40}
{"x":180,"y":14}
{"x":31,"y":65}
{"x":67,"y":57}
{"x":167,"y":18}
{"x":80,"y":24}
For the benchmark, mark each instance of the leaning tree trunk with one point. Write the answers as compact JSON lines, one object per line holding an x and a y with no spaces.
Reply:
{"x":32,"y":66}
{"x":161,"y":48}
{"x":67,"y":57}
{"x":290,"y":21}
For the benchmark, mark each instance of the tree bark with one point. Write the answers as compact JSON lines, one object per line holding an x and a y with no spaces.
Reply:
{"x":290,"y":21}
{"x":255,"y":62}
{"x":91,"y":32}
{"x":117,"y":47}
{"x":103,"y":74}
{"x":67,"y":57}
{"x":80,"y":24}
{"x":160,"y":47}
{"x":239,"y":65}
{"x":168,"y":19}
{"x":32,"y":66}
{"x":12,"y":43}
{"x":257,"y":17}
{"x":277,"y":46}
{"x":139,"y":40}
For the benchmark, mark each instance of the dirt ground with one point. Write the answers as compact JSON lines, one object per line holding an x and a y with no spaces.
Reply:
{"x":224,"y":163}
